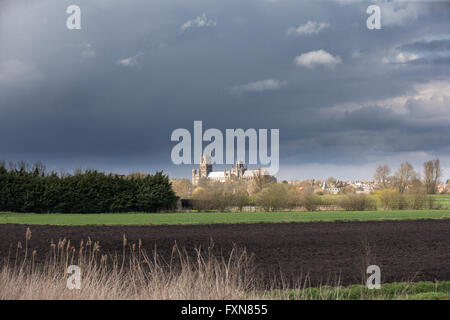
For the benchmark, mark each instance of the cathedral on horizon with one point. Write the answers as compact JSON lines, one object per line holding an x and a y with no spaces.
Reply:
{"x":238,"y":172}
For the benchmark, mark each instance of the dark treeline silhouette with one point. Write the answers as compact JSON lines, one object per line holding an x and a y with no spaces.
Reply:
{"x":31,"y":189}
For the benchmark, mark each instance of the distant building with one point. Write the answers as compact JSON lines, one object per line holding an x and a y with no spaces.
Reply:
{"x":363,"y":186}
{"x":442,"y":188}
{"x":238,"y":172}
{"x":332,"y":190}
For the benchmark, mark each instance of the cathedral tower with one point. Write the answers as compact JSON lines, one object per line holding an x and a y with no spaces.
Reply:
{"x":202,"y":172}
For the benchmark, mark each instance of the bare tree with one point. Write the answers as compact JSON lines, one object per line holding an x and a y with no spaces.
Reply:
{"x":272,"y":197}
{"x":259,"y":181}
{"x":432,"y":173}
{"x":403,"y":176}
{"x":240,"y":196}
{"x":306,"y":187}
{"x":381,"y":175}
{"x":182,"y":187}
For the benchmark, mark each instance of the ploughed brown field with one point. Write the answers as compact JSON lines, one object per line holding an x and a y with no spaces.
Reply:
{"x":321,"y":252}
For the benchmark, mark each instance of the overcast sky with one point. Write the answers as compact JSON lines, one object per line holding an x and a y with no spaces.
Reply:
{"x":108,"y":96}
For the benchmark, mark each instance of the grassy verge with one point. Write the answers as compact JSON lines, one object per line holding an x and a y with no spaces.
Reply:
{"x":388,"y":291}
{"x":216,"y":217}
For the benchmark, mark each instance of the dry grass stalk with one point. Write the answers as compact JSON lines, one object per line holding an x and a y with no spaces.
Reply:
{"x":135,"y":275}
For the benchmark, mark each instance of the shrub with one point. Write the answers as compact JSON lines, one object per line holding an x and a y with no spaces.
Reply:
{"x":357,"y":202}
{"x":240,"y":198}
{"x":272,"y":197}
{"x":220,"y":196}
{"x":416,"y":201}
{"x":276,"y":196}
{"x":310,"y":201}
{"x":419,"y":201}
{"x":392,"y":199}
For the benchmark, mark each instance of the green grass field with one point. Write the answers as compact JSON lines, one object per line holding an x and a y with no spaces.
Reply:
{"x":216,"y":217}
{"x":442,"y":199}
{"x":388,"y":291}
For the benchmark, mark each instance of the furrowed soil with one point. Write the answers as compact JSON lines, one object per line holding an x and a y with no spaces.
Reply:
{"x":311,"y":254}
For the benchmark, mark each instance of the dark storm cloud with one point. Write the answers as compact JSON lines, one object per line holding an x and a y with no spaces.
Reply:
{"x":430,"y":51}
{"x":432,"y":60}
{"x":441,"y":45}
{"x":109,"y":95}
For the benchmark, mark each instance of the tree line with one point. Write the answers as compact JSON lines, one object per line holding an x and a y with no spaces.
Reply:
{"x":405,"y":189}
{"x":407,"y":180}
{"x":25,"y":188}
{"x":276,"y":196}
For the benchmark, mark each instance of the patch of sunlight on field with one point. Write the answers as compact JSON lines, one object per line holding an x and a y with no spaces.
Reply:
{"x":216,"y":217}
